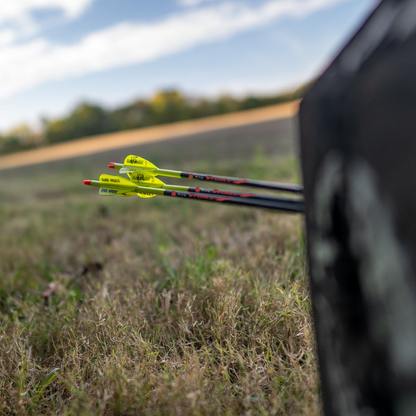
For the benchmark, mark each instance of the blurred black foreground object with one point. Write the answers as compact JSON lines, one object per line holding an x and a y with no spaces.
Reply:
{"x":358,"y":144}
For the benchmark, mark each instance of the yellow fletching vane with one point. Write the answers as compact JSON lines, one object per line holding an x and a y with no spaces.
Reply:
{"x":117,"y":182}
{"x":115,"y":192}
{"x":144,"y":195}
{"x":138,"y":162}
{"x":143,"y":179}
{"x":119,"y":186}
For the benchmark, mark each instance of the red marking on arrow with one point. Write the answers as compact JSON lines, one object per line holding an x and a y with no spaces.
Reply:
{"x":191,"y":176}
{"x":238,"y":182}
{"x":246,"y":196}
{"x":223,"y":199}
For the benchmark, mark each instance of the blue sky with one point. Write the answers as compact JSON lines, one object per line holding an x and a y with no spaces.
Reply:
{"x":56,"y":53}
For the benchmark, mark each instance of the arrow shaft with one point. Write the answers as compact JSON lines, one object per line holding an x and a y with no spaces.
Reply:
{"x":219,"y":192}
{"x":243,"y":182}
{"x":217,"y":179}
{"x":244,"y":195}
{"x":273,"y":205}
{"x":280,"y":205}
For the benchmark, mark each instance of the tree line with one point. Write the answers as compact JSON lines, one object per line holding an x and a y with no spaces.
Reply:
{"x":167,"y":106}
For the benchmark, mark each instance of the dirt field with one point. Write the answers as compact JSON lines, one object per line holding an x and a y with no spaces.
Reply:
{"x":134,"y":138}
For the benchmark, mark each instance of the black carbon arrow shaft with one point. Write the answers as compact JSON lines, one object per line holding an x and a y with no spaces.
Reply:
{"x":282,"y":187}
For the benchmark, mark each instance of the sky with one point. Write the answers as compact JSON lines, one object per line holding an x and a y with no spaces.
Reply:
{"x":55,"y":54}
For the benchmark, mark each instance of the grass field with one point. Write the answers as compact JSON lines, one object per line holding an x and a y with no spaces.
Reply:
{"x":123,"y":306}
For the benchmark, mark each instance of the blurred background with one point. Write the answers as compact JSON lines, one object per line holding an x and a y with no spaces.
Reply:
{"x":129,"y":306}
{"x":76,"y":68}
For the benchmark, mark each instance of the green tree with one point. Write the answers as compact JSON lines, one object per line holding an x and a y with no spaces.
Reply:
{"x":226,"y":104}
{"x":85,"y":120}
{"x":21,"y":137}
{"x":169,"y":106}
{"x":138,"y":114}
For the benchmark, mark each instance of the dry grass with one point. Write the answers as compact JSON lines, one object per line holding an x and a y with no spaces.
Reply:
{"x":158,"y":307}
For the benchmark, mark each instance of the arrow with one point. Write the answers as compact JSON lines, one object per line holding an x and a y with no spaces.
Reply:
{"x":118,"y":186}
{"x":138,"y":164}
{"x":143,"y":178}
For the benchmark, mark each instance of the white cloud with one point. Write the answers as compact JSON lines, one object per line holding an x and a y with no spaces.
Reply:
{"x":7,"y":36}
{"x":39,"y":61}
{"x":17,"y":14}
{"x":12,"y":10}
